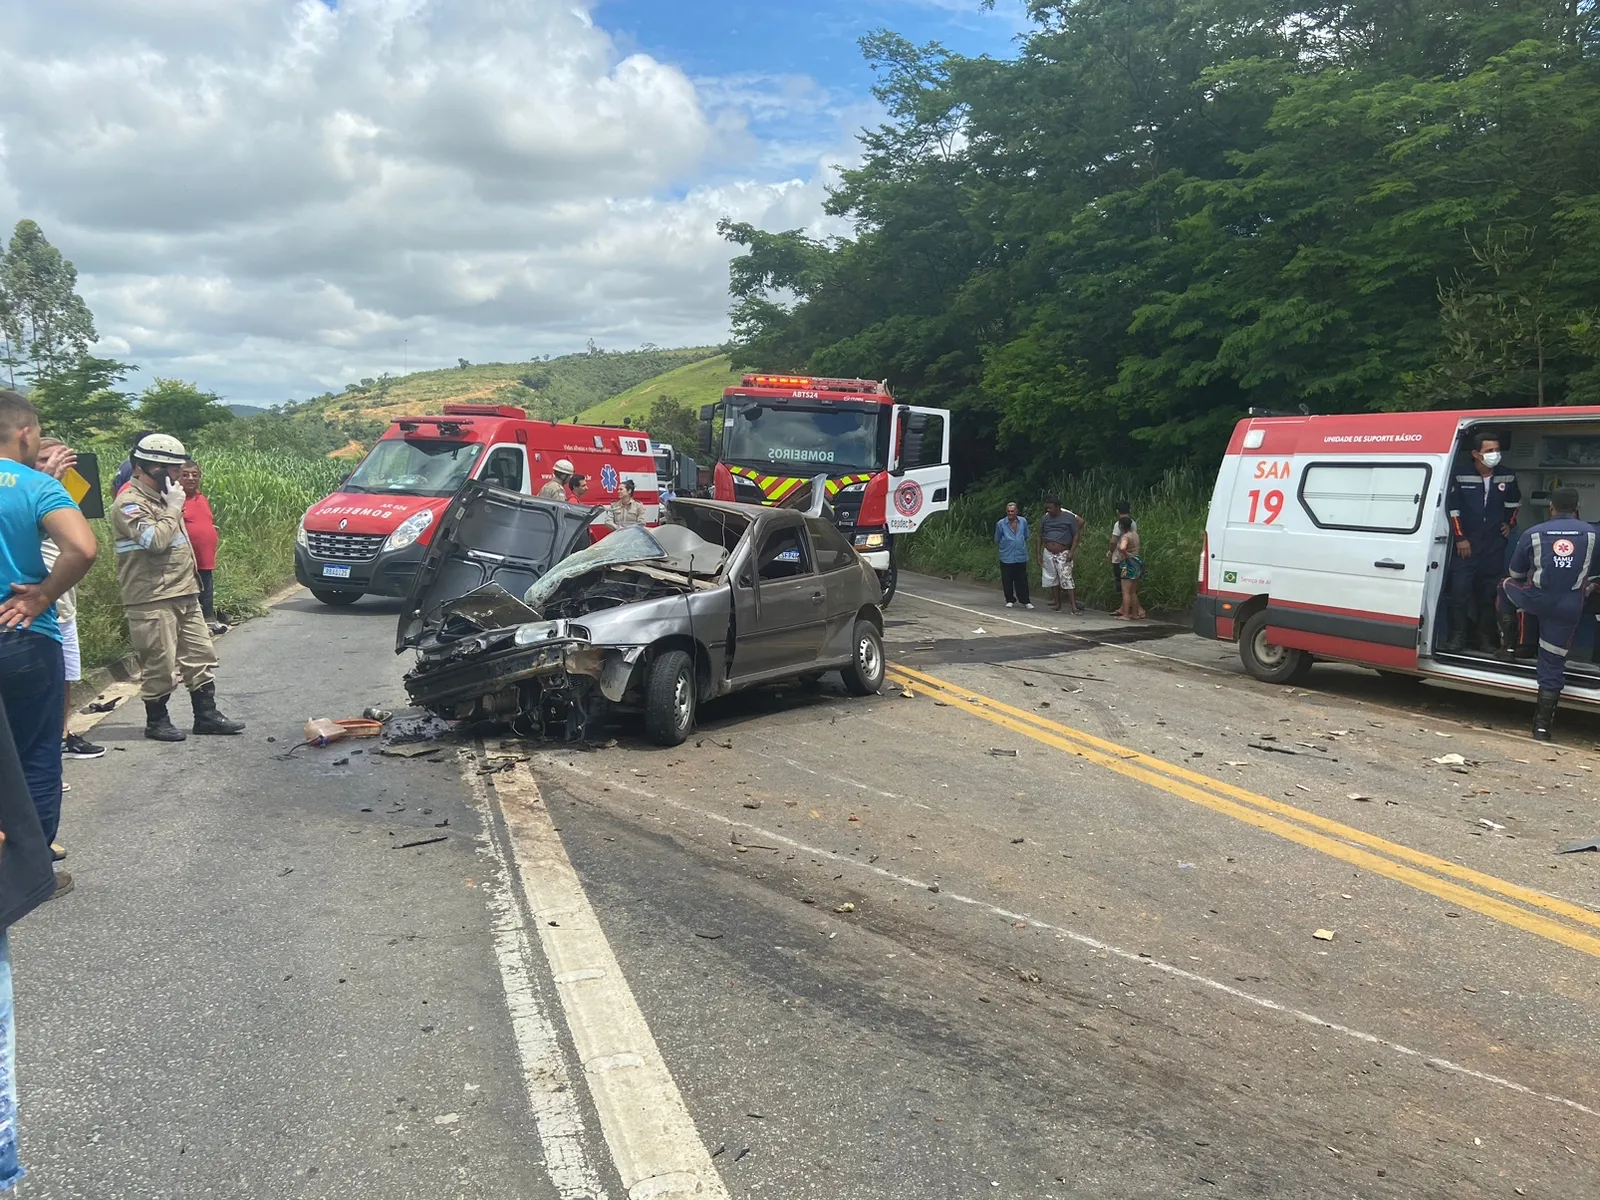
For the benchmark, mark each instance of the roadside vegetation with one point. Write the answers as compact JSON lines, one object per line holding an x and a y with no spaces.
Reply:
{"x":1172,"y":525}
{"x":688,"y":387}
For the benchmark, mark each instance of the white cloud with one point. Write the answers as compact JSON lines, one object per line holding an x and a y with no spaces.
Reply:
{"x":270,"y":196}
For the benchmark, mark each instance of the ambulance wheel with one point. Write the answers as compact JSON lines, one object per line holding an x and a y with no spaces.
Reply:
{"x":337,"y":599}
{"x":1266,"y":661}
{"x":669,"y":699}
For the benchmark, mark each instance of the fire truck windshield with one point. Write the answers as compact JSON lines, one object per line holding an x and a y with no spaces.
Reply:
{"x":415,"y":466}
{"x":805,"y":439}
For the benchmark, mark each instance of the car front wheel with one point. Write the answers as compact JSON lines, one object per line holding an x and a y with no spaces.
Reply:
{"x":864,"y":675}
{"x":1268,"y":661}
{"x":669,"y":699}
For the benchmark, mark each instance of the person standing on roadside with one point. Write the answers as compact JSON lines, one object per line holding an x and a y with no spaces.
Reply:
{"x":1123,"y":510}
{"x":161,"y":592}
{"x":625,"y":510}
{"x":1011,"y":535}
{"x":555,"y":487}
{"x":1130,"y":569}
{"x":1059,"y":531}
{"x":201,"y":526}
{"x":33,"y":680}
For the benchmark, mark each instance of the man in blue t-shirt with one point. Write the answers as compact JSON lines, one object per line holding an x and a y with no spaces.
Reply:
{"x":1011,"y":535}
{"x":34,"y":506}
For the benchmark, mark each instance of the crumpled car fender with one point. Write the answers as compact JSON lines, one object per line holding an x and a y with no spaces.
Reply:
{"x":617,"y":672}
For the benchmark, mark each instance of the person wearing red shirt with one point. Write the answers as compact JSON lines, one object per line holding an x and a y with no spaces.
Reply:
{"x":201,"y":527}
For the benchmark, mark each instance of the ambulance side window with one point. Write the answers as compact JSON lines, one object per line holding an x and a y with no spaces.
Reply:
{"x":1365,"y":497}
{"x":504,"y":468}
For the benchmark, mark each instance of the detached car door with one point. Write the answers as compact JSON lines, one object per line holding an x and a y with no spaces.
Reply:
{"x":790,"y":601}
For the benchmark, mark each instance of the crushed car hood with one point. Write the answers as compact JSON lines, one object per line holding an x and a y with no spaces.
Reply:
{"x":488,"y":536}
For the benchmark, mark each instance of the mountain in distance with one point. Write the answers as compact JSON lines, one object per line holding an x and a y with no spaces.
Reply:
{"x":691,"y":385}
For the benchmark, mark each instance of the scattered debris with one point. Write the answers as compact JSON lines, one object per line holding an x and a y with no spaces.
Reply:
{"x":933,"y":887}
{"x":846,"y":907}
{"x":752,"y":804}
{"x":422,"y":842}
{"x":412,"y":750}
{"x":980,"y":629}
{"x":907,"y":694}
{"x":1576,"y":847}
{"x":1360,"y":797}
{"x":342,"y":762}
{"x":1271,"y":749}
{"x":1018,"y":841}
{"x":1235,"y":762}
{"x":727,"y":745}
{"x":1001,"y":752}
{"x":1185,"y":866}
{"x":285,"y":871}
{"x":707,"y":934}
{"x":101,"y":706}
{"x":1323,"y":935}
{"x":1488,"y":824}
{"x":373,"y":713}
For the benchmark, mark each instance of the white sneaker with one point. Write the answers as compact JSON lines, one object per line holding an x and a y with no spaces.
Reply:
{"x":1010,"y":604}
{"x":1029,"y":607}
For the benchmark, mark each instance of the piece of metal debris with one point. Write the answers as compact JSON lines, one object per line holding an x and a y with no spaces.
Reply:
{"x":1323,"y":935}
{"x":421,"y":842}
{"x":1002,"y":752}
{"x":412,"y":750}
{"x":1576,"y":847}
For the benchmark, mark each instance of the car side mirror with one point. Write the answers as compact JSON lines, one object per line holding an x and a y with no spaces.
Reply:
{"x":705,"y":434}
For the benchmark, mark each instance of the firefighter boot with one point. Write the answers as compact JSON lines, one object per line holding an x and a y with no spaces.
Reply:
{"x":1459,"y":625}
{"x":1508,"y":636}
{"x":158,"y":727}
{"x":1544,"y":714}
{"x":206,"y":717}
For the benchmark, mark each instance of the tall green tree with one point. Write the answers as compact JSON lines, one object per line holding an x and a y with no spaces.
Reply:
{"x":45,"y":324}
{"x":83,"y":399}
{"x":179,"y":408}
{"x":672,"y":422}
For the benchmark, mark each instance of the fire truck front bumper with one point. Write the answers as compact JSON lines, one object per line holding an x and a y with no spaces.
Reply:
{"x":878,"y":560}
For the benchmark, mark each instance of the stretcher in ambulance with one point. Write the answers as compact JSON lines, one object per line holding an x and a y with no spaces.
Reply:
{"x":1328,"y":538}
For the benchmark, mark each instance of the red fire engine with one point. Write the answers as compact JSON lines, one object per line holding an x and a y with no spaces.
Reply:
{"x":887,"y":464}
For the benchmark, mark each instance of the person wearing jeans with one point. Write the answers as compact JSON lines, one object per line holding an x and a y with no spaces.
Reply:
{"x":34,"y":506}
{"x":1011,"y":535}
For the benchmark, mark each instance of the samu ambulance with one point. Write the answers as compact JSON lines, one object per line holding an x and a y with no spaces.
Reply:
{"x":369,"y":537}
{"x":1328,"y":538}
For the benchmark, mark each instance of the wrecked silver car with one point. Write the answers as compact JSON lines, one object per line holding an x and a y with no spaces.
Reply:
{"x":516,"y":617}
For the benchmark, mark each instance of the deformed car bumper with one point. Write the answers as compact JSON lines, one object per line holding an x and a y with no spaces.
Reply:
{"x":466,"y":683}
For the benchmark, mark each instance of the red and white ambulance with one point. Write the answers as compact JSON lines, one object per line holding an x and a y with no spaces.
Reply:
{"x":368,"y":538}
{"x":1328,"y":538}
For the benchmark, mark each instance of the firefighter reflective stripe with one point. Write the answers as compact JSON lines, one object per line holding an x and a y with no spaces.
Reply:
{"x":835,"y":486}
{"x":775,"y":488}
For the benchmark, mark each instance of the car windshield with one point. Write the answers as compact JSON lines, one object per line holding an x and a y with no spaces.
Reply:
{"x":415,"y":466}
{"x":783,"y":435}
{"x":633,"y":544}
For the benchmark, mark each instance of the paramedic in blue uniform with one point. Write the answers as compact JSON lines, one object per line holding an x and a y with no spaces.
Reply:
{"x":1552,"y":572}
{"x":1483,"y":505}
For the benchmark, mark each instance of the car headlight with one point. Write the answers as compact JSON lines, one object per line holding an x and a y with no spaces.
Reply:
{"x":535,"y":631}
{"x":300,"y":538}
{"x":409,"y":530}
{"x":868,"y":541}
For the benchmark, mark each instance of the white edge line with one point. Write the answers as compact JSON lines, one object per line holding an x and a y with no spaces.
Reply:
{"x":654,"y":1144}
{"x":556,"y":1116}
{"x":1094,"y":943}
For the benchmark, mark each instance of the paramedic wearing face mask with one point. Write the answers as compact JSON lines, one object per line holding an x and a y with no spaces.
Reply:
{"x":1552,"y":572}
{"x":1483,"y":505}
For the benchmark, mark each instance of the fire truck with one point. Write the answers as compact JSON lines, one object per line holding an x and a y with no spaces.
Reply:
{"x":885,"y":465}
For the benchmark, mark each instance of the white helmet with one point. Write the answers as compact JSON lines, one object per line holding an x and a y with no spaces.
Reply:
{"x":564,"y":467}
{"x":160,"y":449}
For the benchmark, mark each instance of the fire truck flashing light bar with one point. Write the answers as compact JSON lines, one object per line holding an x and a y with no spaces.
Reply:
{"x":814,"y":383}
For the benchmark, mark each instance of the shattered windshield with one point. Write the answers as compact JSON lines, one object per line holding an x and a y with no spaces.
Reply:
{"x":633,"y":544}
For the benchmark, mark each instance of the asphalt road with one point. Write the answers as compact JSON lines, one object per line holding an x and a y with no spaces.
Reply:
{"x":1040,"y":920}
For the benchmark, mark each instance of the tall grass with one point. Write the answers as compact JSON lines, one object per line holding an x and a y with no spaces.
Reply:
{"x":258,"y":499}
{"x":1172,"y":522}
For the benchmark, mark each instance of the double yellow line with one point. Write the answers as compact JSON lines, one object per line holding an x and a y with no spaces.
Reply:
{"x":1523,"y":908}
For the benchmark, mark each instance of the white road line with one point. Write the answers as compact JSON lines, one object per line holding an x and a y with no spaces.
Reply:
{"x":556,"y":1116}
{"x":1079,"y":637}
{"x":652,"y":1137}
{"x":1094,"y":943}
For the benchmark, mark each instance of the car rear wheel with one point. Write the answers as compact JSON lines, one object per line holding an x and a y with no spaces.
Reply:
{"x":337,"y":599}
{"x":669,"y":699}
{"x":1266,"y":660}
{"x":864,"y":675}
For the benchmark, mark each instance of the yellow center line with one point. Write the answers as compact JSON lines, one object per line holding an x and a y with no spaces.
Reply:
{"x":1285,"y":820}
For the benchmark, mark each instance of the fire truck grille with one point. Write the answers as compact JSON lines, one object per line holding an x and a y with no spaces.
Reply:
{"x":847,"y":508}
{"x":353,"y":547}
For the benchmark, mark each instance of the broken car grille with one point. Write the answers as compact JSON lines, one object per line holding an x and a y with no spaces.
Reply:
{"x":353,"y":547}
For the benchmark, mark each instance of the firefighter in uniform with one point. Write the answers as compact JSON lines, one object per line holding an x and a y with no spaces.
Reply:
{"x":1483,"y":506}
{"x":161,"y":592}
{"x":1551,"y":572}
{"x":625,"y":510}
{"x":557,"y":487}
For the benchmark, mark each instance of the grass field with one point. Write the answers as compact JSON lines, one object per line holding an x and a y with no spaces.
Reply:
{"x":1172,"y":524}
{"x":258,"y":500}
{"x":693,"y":385}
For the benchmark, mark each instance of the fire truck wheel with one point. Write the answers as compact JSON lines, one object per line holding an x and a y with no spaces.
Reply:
{"x":864,"y":675}
{"x":669,"y":699}
{"x":1266,"y":661}
{"x":337,"y":599}
{"x":888,"y":580}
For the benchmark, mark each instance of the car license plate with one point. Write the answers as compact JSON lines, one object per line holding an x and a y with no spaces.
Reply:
{"x":332,"y":572}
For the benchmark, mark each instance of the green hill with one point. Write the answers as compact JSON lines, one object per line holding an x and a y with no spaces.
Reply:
{"x":552,"y":389}
{"x":692,"y":385}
